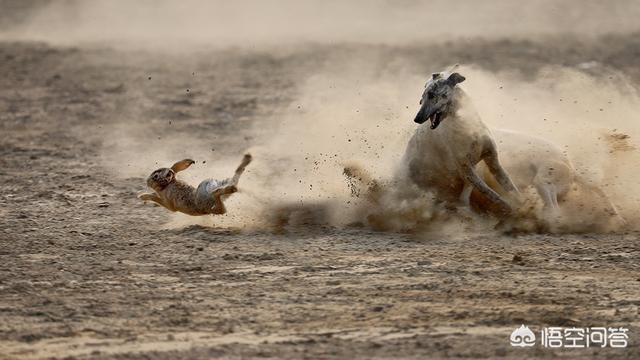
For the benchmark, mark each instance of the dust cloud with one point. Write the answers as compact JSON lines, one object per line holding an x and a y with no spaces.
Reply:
{"x":358,"y":111}
{"x":249,"y":24}
{"x":591,"y":113}
{"x":356,"y":115}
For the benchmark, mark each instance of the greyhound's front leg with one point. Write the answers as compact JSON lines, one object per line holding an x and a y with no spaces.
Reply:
{"x":491,"y":159}
{"x":465,"y":196}
{"x":469,"y":174}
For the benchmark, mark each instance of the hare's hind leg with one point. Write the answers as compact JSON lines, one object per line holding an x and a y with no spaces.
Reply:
{"x":245,"y":161}
{"x":218,"y":205}
{"x":230,"y":187}
{"x":232,"y":184}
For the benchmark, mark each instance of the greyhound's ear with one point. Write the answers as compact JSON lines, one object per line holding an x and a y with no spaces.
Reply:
{"x":435,"y":76}
{"x":455,"y":79}
{"x":182,"y":165}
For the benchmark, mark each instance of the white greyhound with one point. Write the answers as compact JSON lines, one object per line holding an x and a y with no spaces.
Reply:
{"x":446,"y":157}
{"x":443,"y":157}
{"x":532,"y":161}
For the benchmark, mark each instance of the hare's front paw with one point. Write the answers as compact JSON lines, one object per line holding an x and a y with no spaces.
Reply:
{"x":145,"y":197}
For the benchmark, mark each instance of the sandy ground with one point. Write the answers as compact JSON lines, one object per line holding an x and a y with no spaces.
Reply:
{"x":89,"y":271}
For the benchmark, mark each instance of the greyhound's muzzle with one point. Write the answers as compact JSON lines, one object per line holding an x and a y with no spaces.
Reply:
{"x":435,"y":117}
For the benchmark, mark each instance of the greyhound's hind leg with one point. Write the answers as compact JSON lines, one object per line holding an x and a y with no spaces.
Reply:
{"x":549,"y":195}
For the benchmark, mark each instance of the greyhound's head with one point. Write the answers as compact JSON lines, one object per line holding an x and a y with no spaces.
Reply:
{"x":437,"y":97}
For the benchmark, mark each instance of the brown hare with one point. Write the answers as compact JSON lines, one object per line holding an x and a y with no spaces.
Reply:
{"x":177,"y":195}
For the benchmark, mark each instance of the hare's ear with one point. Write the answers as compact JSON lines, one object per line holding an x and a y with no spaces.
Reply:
{"x":182,"y":165}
